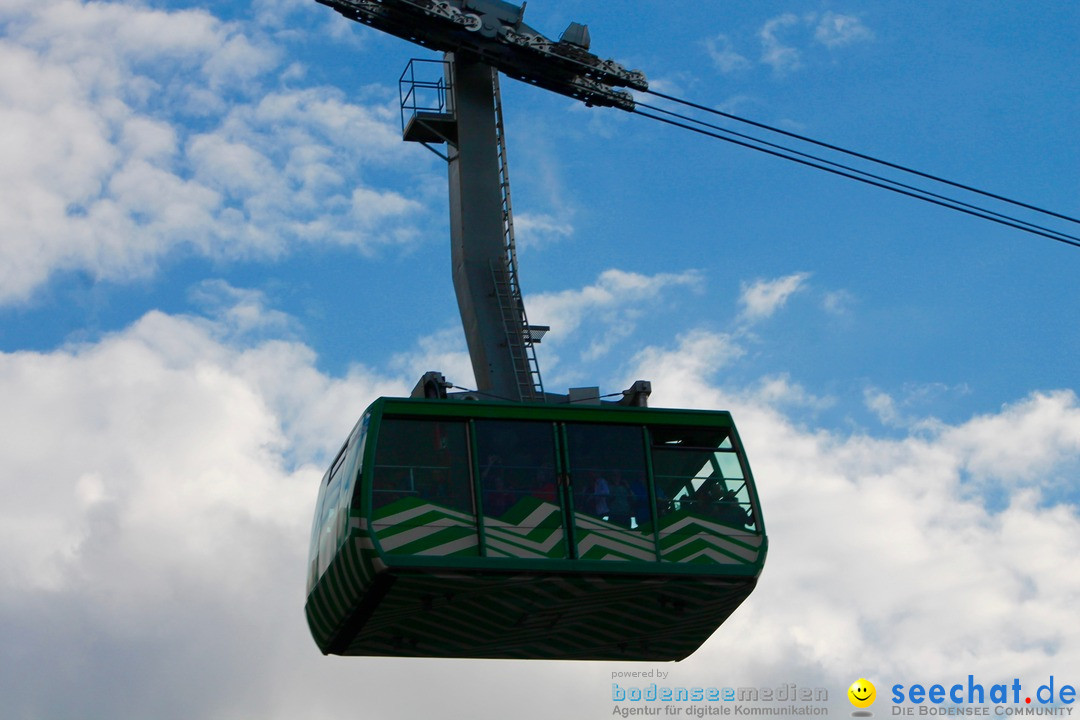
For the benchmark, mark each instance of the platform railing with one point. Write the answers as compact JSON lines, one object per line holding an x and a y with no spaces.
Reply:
{"x":423,"y":88}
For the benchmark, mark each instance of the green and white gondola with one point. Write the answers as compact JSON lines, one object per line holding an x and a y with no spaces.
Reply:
{"x":466,"y":529}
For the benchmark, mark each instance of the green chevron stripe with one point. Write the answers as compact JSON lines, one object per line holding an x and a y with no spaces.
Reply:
{"x":737,"y":543}
{"x":525,"y":507}
{"x":542,"y":519}
{"x":533,"y":529}
{"x":684,"y":522}
{"x":505,"y":542}
{"x":690,"y":538}
{"x":434,"y":540}
{"x":703,"y":550}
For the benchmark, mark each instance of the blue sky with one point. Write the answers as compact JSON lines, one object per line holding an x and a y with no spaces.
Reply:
{"x":216,"y":251}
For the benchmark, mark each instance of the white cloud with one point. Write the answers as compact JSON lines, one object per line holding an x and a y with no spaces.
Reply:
{"x":533,"y":230}
{"x":612,"y":289}
{"x":123,"y":410}
{"x":103,"y":170}
{"x":158,"y":487}
{"x":882,"y":405}
{"x":838,"y":302}
{"x":763,"y":298}
{"x":238,"y":312}
{"x":1022,"y":443}
{"x":786,"y":41}
{"x":779,"y":391}
{"x":774,"y":53}
{"x":280,"y":14}
{"x":443,"y":351}
{"x":724,"y":56}
{"x":371,"y":206}
{"x":610,"y":307}
{"x":903,"y":410}
{"x":835,"y":30}
{"x":685,"y":374}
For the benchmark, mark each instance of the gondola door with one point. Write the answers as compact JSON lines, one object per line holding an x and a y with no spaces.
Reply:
{"x":607,"y":479}
{"x":521,"y":504}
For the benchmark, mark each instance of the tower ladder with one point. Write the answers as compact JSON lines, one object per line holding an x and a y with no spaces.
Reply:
{"x":520,"y":336}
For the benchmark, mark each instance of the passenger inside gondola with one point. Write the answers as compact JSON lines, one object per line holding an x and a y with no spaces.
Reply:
{"x":728,"y":511}
{"x":621,"y":510}
{"x":601,"y":493}
{"x":545,"y":483}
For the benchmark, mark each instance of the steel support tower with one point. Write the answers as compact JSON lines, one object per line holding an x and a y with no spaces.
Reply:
{"x":479,"y":39}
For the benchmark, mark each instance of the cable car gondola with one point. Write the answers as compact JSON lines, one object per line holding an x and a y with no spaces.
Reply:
{"x":476,"y":529}
{"x":544,"y":526}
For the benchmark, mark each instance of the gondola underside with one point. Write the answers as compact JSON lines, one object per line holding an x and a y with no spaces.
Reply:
{"x":433,"y":612}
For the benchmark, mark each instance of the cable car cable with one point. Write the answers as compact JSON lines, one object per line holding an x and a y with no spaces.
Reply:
{"x":952,"y":204}
{"x":863,"y":156}
{"x":848,"y":168}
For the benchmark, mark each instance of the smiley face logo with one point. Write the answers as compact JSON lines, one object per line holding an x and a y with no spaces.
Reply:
{"x":862,"y":693}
